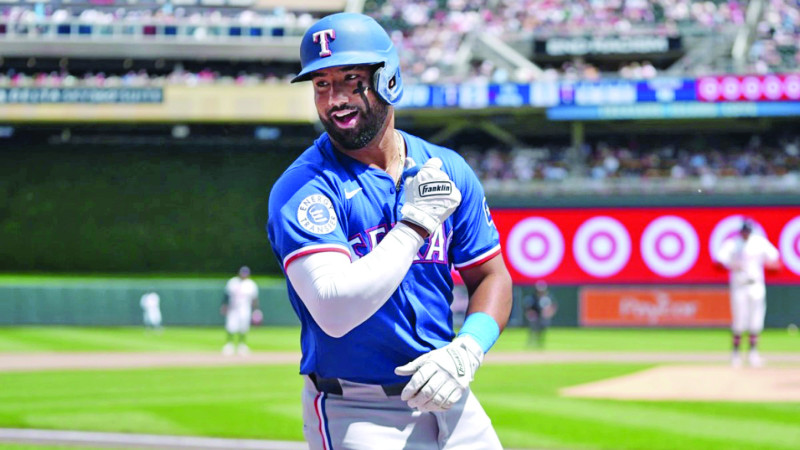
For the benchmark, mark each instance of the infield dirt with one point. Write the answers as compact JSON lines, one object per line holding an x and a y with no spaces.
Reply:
{"x":698,"y":383}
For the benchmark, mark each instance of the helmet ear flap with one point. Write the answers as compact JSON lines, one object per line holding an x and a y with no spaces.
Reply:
{"x":376,"y":80}
{"x":386,"y":82}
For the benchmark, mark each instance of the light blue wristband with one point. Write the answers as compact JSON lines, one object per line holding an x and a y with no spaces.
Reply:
{"x":483,"y":328}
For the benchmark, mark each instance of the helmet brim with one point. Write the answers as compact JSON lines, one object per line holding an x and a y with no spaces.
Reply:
{"x":340,"y":59}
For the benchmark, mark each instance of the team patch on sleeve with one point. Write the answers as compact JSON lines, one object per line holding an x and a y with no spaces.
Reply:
{"x":316,"y":214}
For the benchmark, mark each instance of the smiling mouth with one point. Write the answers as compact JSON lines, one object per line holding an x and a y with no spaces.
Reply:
{"x":345,"y":119}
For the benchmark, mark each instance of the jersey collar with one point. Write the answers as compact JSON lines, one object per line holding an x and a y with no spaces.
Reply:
{"x":325,"y":146}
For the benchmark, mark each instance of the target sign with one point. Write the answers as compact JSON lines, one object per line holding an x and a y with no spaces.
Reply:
{"x":708,"y":89}
{"x":535,"y":247}
{"x":670,"y":246}
{"x":791,"y":86}
{"x":789,"y":245}
{"x":773,"y":87}
{"x":602,"y":246}
{"x":728,"y":228}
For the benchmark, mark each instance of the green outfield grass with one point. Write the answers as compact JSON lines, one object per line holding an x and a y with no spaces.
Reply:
{"x":264,"y":401}
{"x":136,"y":339}
{"x":175,"y":339}
{"x":14,"y":446}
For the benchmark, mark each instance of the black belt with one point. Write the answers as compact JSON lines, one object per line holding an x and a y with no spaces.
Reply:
{"x":333,"y":386}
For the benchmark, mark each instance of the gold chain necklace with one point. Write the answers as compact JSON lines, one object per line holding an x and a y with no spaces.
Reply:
{"x":398,"y":139}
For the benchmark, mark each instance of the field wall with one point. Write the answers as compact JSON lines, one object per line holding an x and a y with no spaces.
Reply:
{"x":196,"y":303}
{"x":116,"y":303}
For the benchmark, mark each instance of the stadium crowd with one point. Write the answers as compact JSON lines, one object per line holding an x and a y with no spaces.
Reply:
{"x":161,"y":13}
{"x":431,"y":34}
{"x":485,"y":72}
{"x":614,"y":16}
{"x":137,"y":78}
{"x":574,"y":70}
{"x":777,"y":38}
{"x":700,"y":163}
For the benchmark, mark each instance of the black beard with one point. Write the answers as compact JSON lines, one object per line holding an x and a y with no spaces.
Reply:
{"x":364,"y":133}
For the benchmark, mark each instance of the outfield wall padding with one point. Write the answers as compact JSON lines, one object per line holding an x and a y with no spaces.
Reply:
{"x":783,"y":306}
{"x":196,"y":303}
{"x":117,"y":304}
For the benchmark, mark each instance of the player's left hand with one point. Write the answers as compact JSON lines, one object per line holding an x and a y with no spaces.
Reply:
{"x":440,"y":377}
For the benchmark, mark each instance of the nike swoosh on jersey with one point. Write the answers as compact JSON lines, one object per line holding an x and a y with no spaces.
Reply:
{"x":350,"y":194}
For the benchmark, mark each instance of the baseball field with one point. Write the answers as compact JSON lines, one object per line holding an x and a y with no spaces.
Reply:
{"x":587,"y":389}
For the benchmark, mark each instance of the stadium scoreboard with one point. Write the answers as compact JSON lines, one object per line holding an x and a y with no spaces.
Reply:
{"x":659,"y":98}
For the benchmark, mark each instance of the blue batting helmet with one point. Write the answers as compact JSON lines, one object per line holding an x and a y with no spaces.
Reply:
{"x":350,"y":39}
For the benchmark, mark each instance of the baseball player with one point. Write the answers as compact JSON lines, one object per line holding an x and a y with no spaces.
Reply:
{"x":151,"y":310}
{"x":745,"y":257}
{"x":241,"y":298}
{"x":540,"y":308}
{"x":367,"y":223}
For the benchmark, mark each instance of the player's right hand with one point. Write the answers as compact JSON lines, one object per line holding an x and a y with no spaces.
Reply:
{"x":430,"y":196}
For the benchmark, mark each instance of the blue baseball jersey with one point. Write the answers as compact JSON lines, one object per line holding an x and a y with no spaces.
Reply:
{"x":327,"y":201}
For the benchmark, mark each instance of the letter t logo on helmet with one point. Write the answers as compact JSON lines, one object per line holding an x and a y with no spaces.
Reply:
{"x":350,"y":39}
{"x":324,"y":38}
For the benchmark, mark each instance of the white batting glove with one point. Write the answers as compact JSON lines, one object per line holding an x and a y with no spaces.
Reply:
{"x":440,"y":377}
{"x":430,"y":196}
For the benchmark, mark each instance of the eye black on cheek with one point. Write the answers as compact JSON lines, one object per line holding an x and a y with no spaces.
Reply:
{"x":361,"y":89}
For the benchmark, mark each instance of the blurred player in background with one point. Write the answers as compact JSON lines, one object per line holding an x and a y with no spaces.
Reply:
{"x":151,"y":310}
{"x":366,"y":242}
{"x":745,"y":257}
{"x":540,"y":308}
{"x":241,"y":299}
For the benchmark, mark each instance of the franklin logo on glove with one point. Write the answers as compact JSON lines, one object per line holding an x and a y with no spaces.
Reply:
{"x":457,"y":361}
{"x":439,"y":188}
{"x":430,"y":196}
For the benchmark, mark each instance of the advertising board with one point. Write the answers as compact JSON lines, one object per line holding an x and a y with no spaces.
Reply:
{"x":672,"y":245}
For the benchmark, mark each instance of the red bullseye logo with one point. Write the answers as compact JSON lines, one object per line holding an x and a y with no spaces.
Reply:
{"x":789,"y":245}
{"x":792,"y":87}
{"x":752,"y":88}
{"x":535,"y":247}
{"x":731,"y":88}
{"x":708,"y":88}
{"x":728,"y":228}
{"x":773,"y":87}
{"x":602,"y":246}
{"x":670,"y":246}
